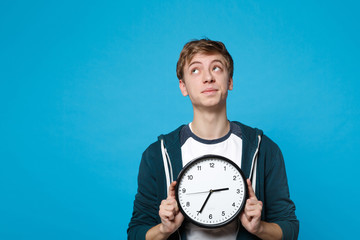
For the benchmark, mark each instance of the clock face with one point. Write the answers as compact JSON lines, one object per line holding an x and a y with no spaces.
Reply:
{"x":211,"y":191}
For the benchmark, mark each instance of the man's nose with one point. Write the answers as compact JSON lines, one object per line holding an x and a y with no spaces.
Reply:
{"x":209,"y":77}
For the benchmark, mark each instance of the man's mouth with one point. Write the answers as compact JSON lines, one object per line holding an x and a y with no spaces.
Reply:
{"x":209,"y":90}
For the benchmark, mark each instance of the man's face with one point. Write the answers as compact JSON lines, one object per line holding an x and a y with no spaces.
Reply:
{"x":206,"y":81}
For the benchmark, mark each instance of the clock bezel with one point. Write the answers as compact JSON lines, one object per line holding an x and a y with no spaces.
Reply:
{"x":201,"y":158}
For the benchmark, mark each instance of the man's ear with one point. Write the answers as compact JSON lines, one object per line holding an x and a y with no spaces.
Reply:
{"x":182,"y":87}
{"x":231,"y":84}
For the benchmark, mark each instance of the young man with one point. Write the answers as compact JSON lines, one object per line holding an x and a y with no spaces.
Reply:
{"x":205,"y":71}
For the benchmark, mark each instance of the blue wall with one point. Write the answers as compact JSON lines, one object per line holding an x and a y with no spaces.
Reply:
{"x":86,"y":87}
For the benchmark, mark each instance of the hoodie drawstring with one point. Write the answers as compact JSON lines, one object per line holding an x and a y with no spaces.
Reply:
{"x":254,"y":165}
{"x":167,"y":166}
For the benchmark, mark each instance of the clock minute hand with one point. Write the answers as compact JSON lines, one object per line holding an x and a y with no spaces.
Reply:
{"x":207,"y":198}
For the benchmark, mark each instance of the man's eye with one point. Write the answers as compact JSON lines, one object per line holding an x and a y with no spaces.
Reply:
{"x":195,"y":70}
{"x":216,"y":68}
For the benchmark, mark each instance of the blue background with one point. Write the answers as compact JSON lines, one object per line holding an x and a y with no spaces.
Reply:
{"x":87,"y":86}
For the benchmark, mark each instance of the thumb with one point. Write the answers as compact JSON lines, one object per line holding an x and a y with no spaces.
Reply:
{"x":171,"y":193}
{"x":251,"y":190}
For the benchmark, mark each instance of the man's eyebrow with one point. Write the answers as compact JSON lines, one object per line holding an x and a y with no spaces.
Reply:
{"x":194,"y":63}
{"x":215,"y":60}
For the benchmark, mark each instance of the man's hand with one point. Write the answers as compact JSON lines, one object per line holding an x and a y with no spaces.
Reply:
{"x":251,"y":216}
{"x":171,"y":217}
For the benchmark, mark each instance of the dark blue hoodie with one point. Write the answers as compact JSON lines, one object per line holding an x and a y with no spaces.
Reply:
{"x":271,"y":184}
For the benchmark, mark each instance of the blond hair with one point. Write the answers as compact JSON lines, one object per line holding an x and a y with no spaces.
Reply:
{"x":204,"y":46}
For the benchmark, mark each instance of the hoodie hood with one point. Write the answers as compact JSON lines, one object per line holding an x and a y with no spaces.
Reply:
{"x":250,"y":144}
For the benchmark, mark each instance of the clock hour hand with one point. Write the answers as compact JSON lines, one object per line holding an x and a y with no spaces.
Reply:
{"x":219,"y":189}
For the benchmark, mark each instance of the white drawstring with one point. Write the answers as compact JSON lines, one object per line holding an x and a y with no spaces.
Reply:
{"x":166,"y":167}
{"x":170,"y":166}
{"x":254,"y":165}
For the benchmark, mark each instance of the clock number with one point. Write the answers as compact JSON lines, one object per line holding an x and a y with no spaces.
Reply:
{"x":223,"y":213}
{"x":237,"y":191}
{"x":188,"y":204}
{"x":190,"y":177}
{"x":224,"y":168}
{"x":199,"y":168}
{"x":234,"y":178}
{"x":184,"y":190}
{"x":212,"y":164}
{"x":233,"y":204}
{"x":210,"y":216}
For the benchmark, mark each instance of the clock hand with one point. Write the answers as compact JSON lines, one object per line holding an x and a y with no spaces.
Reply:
{"x":220,"y":189}
{"x":207,"y":198}
{"x":216,"y":190}
{"x":197,"y":192}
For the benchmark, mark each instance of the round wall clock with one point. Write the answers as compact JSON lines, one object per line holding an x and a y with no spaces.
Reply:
{"x":211,"y":191}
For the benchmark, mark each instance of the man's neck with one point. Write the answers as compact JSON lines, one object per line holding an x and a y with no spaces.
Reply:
{"x":210,"y":125}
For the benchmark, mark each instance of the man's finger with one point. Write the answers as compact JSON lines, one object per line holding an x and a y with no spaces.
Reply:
{"x":251,"y":190}
{"x":172,"y":190}
{"x":245,"y":217}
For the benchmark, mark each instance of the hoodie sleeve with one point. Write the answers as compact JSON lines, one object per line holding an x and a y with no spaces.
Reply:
{"x":278,"y":206}
{"x":146,"y":205}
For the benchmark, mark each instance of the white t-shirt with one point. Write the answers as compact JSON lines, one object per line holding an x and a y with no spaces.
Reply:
{"x":229,"y":146}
